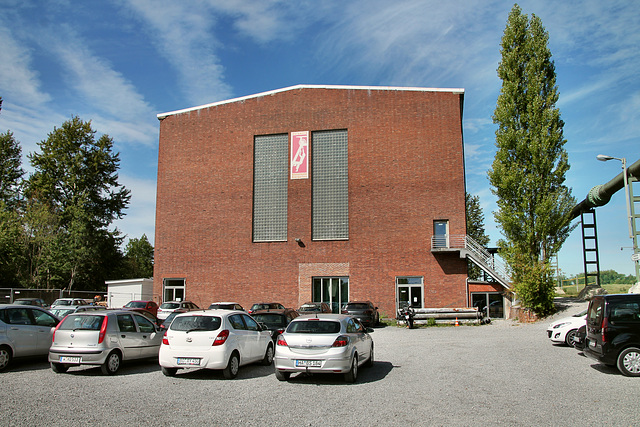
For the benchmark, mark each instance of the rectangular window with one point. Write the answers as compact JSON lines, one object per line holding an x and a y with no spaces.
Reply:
{"x":270,"y":179}
{"x":173,"y":289}
{"x":330,"y":181}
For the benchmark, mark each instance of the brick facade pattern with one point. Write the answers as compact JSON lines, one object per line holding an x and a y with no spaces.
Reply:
{"x":406,"y":170}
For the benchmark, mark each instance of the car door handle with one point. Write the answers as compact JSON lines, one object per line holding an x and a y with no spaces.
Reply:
{"x":123,"y":336}
{"x":144,"y":336}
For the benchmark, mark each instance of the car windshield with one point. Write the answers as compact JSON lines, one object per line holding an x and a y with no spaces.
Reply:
{"x":62,"y":302}
{"x":136,"y":304}
{"x":357,"y":307}
{"x":24,"y":302}
{"x":196,"y":323}
{"x":221,"y":307}
{"x":170,"y":305}
{"x":82,"y":322}
{"x":271,"y":319}
{"x":314,"y":327}
{"x":582,"y":313}
{"x":310,"y":307}
{"x":61,"y":312}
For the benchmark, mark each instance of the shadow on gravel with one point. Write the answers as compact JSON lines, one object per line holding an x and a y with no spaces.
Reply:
{"x":28,"y":364}
{"x":127,"y":368}
{"x":246,"y":372}
{"x":377,"y":372}
{"x":563,"y":303}
{"x":609,"y":370}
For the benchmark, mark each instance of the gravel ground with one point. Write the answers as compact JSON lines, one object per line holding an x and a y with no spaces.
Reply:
{"x":504,"y":373}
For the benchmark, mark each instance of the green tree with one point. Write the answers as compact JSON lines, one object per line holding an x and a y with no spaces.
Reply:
{"x":475,"y":230}
{"x":528,"y":172}
{"x":138,"y":258}
{"x":75,"y":186}
{"x":12,"y":253}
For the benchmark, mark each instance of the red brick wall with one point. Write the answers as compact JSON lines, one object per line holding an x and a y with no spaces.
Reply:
{"x":406,"y":169}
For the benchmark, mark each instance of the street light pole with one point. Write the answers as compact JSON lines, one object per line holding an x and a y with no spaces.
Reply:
{"x":604,"y":158}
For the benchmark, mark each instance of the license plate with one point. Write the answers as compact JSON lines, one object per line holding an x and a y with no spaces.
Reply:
{"x":70,"y":359}
{"x":592,"y":344}
{"x":188,"y":361}
{"x":312,"y":363}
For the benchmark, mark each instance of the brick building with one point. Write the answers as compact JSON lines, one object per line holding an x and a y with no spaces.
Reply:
{"x":323,"y":193}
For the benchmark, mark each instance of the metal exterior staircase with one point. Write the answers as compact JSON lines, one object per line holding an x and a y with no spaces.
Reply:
{"x":469,"y":248}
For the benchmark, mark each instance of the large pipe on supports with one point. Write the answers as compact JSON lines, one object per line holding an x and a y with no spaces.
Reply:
{"x":601,"y":194}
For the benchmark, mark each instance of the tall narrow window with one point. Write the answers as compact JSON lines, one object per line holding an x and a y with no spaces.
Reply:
{"x":330,"y":181}
{"x":270,"y":179}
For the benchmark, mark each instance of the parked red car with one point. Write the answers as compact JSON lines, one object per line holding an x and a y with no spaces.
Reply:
{"x":150,"y":306}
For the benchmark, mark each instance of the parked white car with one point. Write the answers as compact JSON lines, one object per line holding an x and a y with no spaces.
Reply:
{"x":563,"y":330}
{"x":214,"y":339}
{"x":323,"y":343}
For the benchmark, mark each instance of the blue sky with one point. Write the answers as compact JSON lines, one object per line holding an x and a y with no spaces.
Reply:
{"x":119,"y":63}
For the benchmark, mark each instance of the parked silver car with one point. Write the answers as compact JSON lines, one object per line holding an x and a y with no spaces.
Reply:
{"x":24,"y":331}
{"x":167,"y":307}
{"x":104,"y":338}
{"x":329,"y":343}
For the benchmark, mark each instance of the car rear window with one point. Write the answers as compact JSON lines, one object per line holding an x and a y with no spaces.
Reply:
{"x":357,"y":306}
{"x":170,"y":305}
{"x":136,"y":304}
{"x":314,"y":327}
{"x":196,"y":323}
{"x":82,"y":322}
{"x":271,"y":319}
{"x":310,"y":307}
{"x":594,"y":316}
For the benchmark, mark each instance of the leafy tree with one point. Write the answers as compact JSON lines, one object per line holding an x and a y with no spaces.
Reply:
{"x":475,"y":230}
{"x":530,"y":164}
{"x":138,"y":258}
{"x":11,"y":171}
{"x":75,"y":189}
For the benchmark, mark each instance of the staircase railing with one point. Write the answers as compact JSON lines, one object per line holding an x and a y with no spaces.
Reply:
{"x":475,"y":250}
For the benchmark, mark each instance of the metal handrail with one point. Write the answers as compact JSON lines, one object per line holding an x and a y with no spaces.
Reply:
{"x":466,"y":242}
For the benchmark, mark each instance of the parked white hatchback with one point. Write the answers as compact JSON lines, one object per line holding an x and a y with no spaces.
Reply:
{"x":329,"y":343}
{"x":563,"y":330}
{"x":214,"y":339}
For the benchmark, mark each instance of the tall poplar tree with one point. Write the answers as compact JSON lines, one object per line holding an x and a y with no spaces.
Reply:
{"x":530,"y":164}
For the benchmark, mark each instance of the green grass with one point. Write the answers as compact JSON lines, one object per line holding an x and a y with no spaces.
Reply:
{"x":612,"y":289}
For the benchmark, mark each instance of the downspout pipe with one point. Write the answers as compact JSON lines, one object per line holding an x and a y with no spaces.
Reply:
{"x":601,"y":194}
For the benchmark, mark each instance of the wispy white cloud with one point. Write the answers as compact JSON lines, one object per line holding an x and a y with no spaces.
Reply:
{"x":140,"y":215}
{"x":184,"y":36}
{"x":18,"y":79}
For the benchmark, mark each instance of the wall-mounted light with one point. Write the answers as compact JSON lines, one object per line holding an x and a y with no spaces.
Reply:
{"x":299,"y":242}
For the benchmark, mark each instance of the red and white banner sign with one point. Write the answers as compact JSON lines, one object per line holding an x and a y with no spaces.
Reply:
{"x":300,"y":155}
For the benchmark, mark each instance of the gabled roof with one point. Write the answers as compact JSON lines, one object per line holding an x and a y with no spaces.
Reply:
{"x":290,"y":88}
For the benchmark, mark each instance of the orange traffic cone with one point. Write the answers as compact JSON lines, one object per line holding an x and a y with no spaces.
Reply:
{"x":457,"y":324}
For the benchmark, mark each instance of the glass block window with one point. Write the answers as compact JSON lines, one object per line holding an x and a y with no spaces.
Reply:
{"x":330,"y":181}
{"x":270,"y":179}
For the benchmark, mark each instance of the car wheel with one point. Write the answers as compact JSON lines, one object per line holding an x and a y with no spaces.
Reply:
{"x":568,"y":339}
{"x":169,"y":372}
{"x":283,"y":376}
{"x":231,"y":371}
{"x":352,"y":375}
{"x":112,"y":364}
{"x":59,"y":368}
{"x":629,"y":362}
{"x":5,"y":357}
{"x":370,"y":362}
{"x":268,"y":356}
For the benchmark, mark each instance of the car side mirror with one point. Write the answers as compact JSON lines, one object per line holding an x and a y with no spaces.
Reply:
{"x":369,"y":330}
{"x":263,"y":327}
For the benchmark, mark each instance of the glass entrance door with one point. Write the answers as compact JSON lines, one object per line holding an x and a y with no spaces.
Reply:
{"x":409,"y":291}
{"x":332,"y":290}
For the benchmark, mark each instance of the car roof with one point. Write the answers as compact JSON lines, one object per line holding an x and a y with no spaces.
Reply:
{"x":224,"y":302}
{"x":323,"y":316}
{"x":360,"y":302}
{"x":272,"y":311}
{"x":212,"y":312}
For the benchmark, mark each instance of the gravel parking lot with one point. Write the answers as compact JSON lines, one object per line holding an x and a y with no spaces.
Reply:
{"x":504,"y":373}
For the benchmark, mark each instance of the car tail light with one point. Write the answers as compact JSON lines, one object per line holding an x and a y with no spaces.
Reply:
{"x":221,"y":338}
{"x":341,"y":341}
{"x":165,"y":340}
{"x":53,"y":336}
{"x":103,"y":329}
{"x":281,"y":341}
{"x":605,"y":327}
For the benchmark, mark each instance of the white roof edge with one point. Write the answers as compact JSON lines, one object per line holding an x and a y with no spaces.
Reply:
{"x":124,"y":281}
{"x":343,"y":87}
